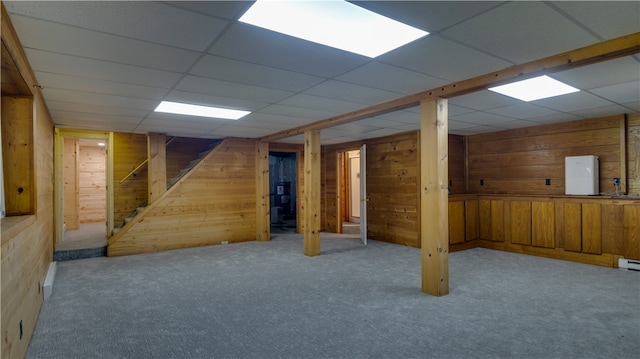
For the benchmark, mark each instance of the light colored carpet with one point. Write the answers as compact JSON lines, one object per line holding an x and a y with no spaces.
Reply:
{"x":89,"y":235}
{"x":267,"y":300}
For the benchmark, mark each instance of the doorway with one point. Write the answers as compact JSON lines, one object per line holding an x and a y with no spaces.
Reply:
{"x":354,"y":192}
{"x":283,"y":189}
{"x":83,"y":201}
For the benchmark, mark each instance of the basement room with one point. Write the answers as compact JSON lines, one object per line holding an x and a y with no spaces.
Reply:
{"x":320,"y":179}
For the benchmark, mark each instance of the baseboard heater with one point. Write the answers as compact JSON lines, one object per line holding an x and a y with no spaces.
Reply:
{"x":630,"y":264}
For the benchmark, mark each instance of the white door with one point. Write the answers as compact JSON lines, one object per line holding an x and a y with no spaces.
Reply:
{"x":363,"y":194}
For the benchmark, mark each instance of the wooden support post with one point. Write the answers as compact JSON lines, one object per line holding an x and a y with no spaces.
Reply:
{"x":312,"y":193}
{"x":434,"y":201}
{"x":263,"y":223}
{"x":157,"y":155}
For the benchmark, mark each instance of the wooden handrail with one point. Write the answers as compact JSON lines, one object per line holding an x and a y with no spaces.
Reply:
{"x":144,"y":163}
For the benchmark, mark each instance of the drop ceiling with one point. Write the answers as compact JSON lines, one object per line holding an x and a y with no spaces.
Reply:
{"x":105,"y":65}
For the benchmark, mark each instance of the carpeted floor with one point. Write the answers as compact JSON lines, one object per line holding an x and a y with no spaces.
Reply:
{"x":267,"y":300}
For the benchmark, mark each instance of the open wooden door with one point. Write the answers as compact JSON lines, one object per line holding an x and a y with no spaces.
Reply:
{"x":363,"y":194}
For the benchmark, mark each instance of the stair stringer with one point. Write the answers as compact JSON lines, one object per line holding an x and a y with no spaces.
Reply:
{"x":184,"y":216}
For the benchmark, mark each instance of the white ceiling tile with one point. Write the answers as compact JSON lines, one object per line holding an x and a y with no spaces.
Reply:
{"x":429,"y":15}
{"x":85,"y":108}
{"x":302,"y":114}
{"x":521,"y":31}
{"x":197,"y":98}
{"x":59,"y":38}
{"x":339,"y":90}
{"x":234,"y":131}
{"x":555,"y":118}
{"x":321,"y":103}
{"x":172,"y":131}
{"x":391,"y":78}
{"x":440,"y":58}
{"x":601,"y":111}
{"x":251,"y":44}
{"x":633,"y":106}
{"x":622,"y":70}
{"x":230,"y":90}
{"x":169,"y":119}
{"x":620,"y":93}
{"x":573,"y":102}
{"x":95,"y":69}
{"x":482,"y":118}
{"x":88,"y":118}
{"x":144,"y":20}
{"x":216,"y":67}
{"x":223,"y":9}
{"x":66,"y":82}
{"x":522,"y":111}
{"x":609,"y":19}
{"x":355,"y":127}
{"x":95,"y":99}
{"x":483,"y":100}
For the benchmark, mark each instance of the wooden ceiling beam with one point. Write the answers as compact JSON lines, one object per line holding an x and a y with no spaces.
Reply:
{"x":603,"y":51}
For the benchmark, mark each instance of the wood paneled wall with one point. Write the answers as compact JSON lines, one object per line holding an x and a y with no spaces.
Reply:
{"x":129,"y":151}
{"x":27,"y":241}
{"x":71,"y":191}
{"x":181,"y":151}
{"x":212,"y":204}
{"x":633,"y":153}
{"x":92,"y":182}
{"x":457,"y":165}
{"x":519,"y":161}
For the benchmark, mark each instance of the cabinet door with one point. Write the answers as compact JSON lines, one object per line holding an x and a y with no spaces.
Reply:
{"x":484,"y":213}
{"x":543,"y":224}
{"x":471,"y":220}
{"x":591,"y":228}
{"x":521,"y":222}
{"x":497,"y":220}
{"x":456,"y":222}
{"x":572,"y":227}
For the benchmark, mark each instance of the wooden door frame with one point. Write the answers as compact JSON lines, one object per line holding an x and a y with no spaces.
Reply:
{"x":60,"y":135}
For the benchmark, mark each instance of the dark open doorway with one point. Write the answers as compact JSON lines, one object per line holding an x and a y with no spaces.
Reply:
{"x":283,"y":191}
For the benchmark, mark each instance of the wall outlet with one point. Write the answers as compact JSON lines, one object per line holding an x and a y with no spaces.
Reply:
{"x":547,"y":182}
{"x":225,"y":242}
{"x":616,"y":181}
{"x":482,"y":182}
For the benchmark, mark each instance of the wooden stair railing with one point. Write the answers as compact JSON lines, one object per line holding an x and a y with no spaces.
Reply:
{"x":142,"y":164}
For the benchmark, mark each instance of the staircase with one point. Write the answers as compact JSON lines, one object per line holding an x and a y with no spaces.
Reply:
{"x":172,"y":181}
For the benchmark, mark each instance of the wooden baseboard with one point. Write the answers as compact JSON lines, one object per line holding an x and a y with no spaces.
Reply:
{"x":605,"y":259}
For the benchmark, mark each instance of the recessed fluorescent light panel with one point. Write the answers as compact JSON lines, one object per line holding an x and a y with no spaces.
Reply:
{"x":334,"y":23}
{"x":203,"y":111}
{"x":534,"y":89}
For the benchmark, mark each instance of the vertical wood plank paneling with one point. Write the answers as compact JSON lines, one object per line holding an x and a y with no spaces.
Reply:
{"x":92,"y":174}
{"x":157,"y":155}
{"x":633,"y":153}
{"x":26,"y":251}
{"x":434,"y":222}
{"x":212,"y":204}
{"x":520,"y":222}
{"x":632,"y":231}
{"x":129,"y":150}
{"x":573,"y":227}
{"x":484,"y":216}
{"x":497,"y":221}
{"x":472,"y":223}
{"x":312,"y":168}
{"x":456,"y":222}
{"x":456,"y":164}
{"x":71,"y":190}
{"x":613,"y":229}
{"x":591,"y":228}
